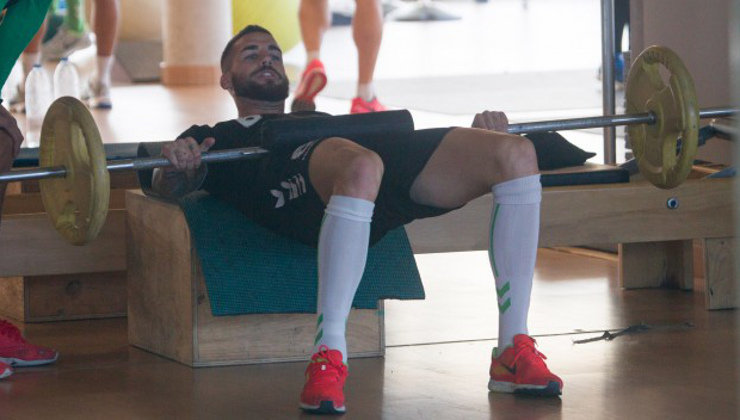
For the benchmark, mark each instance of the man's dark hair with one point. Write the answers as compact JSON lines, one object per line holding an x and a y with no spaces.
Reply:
{"x":226,"y":55}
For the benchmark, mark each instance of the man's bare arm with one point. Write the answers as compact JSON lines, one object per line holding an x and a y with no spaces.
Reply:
{"x":187,"y":173}
{"x":175,"y":184}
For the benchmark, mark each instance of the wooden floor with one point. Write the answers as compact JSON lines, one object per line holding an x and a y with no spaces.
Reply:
{"x":436,"y":366}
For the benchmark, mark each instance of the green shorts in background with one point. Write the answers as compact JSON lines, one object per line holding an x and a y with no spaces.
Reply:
{"x":19,"y":22}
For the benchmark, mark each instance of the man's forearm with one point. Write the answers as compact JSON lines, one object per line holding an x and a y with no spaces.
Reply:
{"x":175,"y":184}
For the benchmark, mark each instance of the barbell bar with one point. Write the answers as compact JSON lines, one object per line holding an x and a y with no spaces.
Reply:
{"x":662,"y":110}
{"x":140,"y":164}
{"x":648,"y":118}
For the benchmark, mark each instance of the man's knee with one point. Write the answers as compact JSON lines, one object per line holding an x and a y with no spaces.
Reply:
{"x":362,"y":174}
{"x":345,"y":168}
{"x":517,"y":158}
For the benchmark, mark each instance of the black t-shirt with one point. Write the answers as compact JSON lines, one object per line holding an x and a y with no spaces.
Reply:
{"x":229,"y":135}
{"x":234,"y":181}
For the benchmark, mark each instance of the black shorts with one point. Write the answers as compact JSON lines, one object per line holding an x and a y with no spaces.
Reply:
{"x":284,"y":200}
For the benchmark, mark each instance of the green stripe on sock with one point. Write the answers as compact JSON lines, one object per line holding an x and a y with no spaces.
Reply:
{"x":490,"y":240}
{"x":505,"y":306}
{"x":502,"y":291}
{"x":320,"y":331}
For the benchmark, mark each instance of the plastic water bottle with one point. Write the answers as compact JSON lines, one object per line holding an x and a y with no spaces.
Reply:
{"x":66,"y":80}
{"x":38,"y":99}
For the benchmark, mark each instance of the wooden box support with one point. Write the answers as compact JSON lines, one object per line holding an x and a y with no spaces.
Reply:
{"x":634,"y":214}
{"x":657,"y":264}
{"x":64,"y":297}
{"x":169,"y":311}
{"x":719,"y":272}
{"x":44,"y":278}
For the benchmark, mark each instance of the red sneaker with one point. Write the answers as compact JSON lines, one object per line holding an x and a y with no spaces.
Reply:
{"x":323,"y":392}
{"x":521,"y":369}
{"x":312,"y":81}
{"x":361,"y":106}
{"x":5,"y":370}
{"x":16,"y":351}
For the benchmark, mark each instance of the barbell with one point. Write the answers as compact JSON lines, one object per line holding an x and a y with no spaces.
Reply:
{"x":662,"y":118}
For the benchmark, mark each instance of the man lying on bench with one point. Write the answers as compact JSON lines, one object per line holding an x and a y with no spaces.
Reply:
{"x":340,"y":196}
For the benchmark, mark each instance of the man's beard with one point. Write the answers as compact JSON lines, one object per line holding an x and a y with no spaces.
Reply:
{"x":269,"y":92}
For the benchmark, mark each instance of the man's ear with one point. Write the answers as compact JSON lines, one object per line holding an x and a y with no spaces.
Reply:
{"x":225,"y":82}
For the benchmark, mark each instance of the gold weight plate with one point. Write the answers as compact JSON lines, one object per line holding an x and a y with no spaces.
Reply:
{"x":658,"y":82}
{"x":78,"y":203}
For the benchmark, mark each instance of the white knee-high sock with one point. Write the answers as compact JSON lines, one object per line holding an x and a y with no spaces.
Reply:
{"x":515,"y":226}
{"x":343,"y":244}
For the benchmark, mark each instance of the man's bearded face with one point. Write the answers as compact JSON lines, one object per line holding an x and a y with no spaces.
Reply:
{"x":258,"y":87}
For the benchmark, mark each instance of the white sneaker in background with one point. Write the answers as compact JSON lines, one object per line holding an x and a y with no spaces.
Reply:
{"x":17,"y":99}
{"x":97,"y":95}
{"x":64,"y":43}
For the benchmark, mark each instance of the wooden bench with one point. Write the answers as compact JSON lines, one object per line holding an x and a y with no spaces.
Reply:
{"x":44,"y":278}
{"x":656,"y":242}
{"x":169,"y":312}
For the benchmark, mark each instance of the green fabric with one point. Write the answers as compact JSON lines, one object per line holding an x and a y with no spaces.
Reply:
{"x":20,"y":22}
{"x":75,"y":20}
{"x":249,"y":269}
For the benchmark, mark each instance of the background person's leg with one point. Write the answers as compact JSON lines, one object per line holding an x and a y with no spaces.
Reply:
{"x":367,"y":32}
{"x":315,"y":18}
{"x":72,"y":35}
{"x":106,"y":32}
{"x":31,"y":56}
{"x":75,"y":20}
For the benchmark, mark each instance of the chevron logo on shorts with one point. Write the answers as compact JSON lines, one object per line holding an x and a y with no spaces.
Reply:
{"x":294,"y":186}
{"x":301,"y":152}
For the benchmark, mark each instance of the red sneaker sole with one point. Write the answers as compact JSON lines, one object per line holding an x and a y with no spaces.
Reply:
{"x":19,"y":362}
{"x":551,"y":389}
{"x":325,"y":407}
{"x":315,"y":81}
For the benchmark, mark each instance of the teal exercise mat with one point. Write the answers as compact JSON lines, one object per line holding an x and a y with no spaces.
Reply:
{"x":249,"y":269}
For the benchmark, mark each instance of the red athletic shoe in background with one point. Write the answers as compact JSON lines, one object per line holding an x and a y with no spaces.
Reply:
{"x":5,"y":370}
{"x":16,"y":351}
{"x":361,"y":106}
{"x":312,"y":81}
